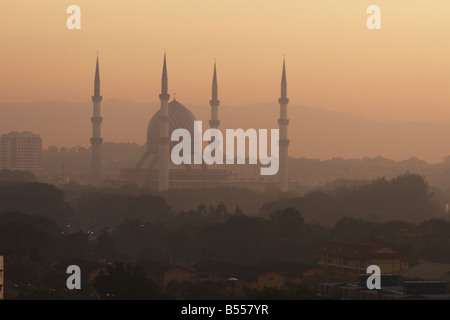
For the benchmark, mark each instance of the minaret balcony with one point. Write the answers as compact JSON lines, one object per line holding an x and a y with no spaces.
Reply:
{"x":96,"y":141}
{"x":283,"y":122}
{"x":214,"y":123}
{"x":97,"y":98}
{"x":96,"y":119}
{"x":283,"y":101}
{"x":164,"y":96}
{"x":214,"y":103}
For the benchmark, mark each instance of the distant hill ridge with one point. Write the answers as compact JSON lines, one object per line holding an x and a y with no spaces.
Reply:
{"x":314,"y":133}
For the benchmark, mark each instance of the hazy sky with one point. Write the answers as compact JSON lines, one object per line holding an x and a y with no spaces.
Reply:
{"x":401,"y":72}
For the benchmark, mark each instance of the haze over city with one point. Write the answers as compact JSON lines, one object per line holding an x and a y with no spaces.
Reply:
{"x":399,"y":74}
{"x":108,"y":192}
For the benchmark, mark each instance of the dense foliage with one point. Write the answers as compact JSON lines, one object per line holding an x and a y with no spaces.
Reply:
{"x":39,"y":230}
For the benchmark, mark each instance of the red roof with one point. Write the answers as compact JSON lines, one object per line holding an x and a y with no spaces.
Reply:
{"x":157,"y":268}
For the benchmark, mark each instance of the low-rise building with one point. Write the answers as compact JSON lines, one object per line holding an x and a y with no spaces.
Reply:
{"x":163,"y":274}
{"x":411,"y":290}
{"x":427,"y":270}
{"x":349,"y":259}
{"x":279,"y":274}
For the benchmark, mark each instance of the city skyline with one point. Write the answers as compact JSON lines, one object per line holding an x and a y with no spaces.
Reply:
{"x":224,"y":153}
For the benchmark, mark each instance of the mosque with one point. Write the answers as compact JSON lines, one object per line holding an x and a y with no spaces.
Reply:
{"x":155,"y":171}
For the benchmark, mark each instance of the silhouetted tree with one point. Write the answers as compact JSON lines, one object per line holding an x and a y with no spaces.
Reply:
{"x":106,"y":246}
{"x":238,"y":211}
{"x":111,"y":209}
{"x":74,"y":245}
{"x":125,"y":282}
{"x":17,"y":176}
{"x":289,"y":221}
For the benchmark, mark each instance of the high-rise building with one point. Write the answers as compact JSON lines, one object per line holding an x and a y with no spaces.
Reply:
{"x":21,"y":151}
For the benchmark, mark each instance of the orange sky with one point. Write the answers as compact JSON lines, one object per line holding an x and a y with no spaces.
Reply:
{"x":401,"y":72}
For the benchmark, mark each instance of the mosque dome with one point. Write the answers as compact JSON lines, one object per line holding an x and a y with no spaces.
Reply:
{"x":179,"y":117}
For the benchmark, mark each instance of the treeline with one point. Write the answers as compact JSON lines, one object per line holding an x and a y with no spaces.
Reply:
{"x":39,"y":229}
{"x":216,"y":234}
{"x":37,"y":199}
{"x":310,"y":173}
{"x":220,"y":235}
{"x":34,"y":246}
{"x":16,"y":176}
{"x":406,"y":197}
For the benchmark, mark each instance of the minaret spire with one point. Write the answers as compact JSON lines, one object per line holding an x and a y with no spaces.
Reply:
{"x":97,"y":80}
{"x":163,"y":146}
{"x":283,"y":124}
{"x":214,"y":102}
{"x":96,"y":140}
{"x":164,"y":79}
{"x":214,"y":83}
{"x":283,"y":81}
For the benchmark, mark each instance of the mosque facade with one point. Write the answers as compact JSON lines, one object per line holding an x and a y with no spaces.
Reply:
{"x":155,"y":171}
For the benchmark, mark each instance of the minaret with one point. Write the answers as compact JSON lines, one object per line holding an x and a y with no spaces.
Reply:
{"x":284,"y":141}
{"x":214,"y":103}
{"x":96,"y":140}
{"x":163,"y":148}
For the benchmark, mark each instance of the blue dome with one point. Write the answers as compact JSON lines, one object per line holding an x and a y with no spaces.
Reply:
{"x":179,"y":117}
